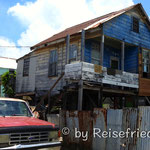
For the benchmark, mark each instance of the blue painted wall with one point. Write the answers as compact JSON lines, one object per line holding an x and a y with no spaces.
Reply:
{"x":121,"y":28}
{"x":131,"y":59}
{"x":111,"y":52}
{"x":131,"y":56}
{"x":87,"y":52}
{"x":88,"y":49}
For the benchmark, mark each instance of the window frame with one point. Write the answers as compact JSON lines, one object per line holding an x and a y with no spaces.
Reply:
{"x":73,"y":58}
{"x":26,"y":66}
{"x":135,"y":25}
{"x":53,"y":62}
{"x":147,"y":63}
{"x":114,"y":59}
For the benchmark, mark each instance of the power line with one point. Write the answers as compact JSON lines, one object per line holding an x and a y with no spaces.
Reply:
{"x":16,"y":46}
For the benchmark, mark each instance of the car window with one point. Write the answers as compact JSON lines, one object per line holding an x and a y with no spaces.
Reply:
{"x":14,"y":108}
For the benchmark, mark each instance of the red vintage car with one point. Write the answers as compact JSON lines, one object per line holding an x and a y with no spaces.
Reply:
{"x":20,"y":130}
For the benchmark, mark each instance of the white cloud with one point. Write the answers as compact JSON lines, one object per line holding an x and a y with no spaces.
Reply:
{"x":43,"y":18}
{"x":11,"y":51}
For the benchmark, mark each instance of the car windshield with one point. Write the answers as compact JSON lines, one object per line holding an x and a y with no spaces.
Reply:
{"x":14,"y":108}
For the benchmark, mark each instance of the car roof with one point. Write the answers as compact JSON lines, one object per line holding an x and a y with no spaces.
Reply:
{"x":11,"y":99}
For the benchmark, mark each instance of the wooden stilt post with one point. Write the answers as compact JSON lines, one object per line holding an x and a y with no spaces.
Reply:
{"x":120,"y":102}
{"x":136,"y":101}
{"x":80,"y":95}
{"x":100,"y":98}
{"x":65,"y":100}
{"x":123,"y":102}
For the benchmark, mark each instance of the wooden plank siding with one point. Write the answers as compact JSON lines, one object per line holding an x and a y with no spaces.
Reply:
{"x":144,"y":87}
{"x":26,"y":83}
{"x":121,"y":28}
{"x":42,"y":82}
{"x":144,"y":84}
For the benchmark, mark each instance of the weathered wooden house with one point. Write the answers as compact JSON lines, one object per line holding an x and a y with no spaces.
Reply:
{"x":105,"y":60}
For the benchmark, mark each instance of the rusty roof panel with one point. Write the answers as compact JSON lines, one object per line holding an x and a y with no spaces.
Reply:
{"x":86,"y":25}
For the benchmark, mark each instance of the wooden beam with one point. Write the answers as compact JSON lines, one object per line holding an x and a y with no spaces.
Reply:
{"x":136,"y":101}
{"x":80,"y":95}
{"x":122,"y":55}
{"x":117,"y":91}
{"x":48,"y":93}
{"x":65,"y":100}
{"x":82,"y":44}
{"x":123,"y":102}
{"x":100,"y":98}
{"x":67,"y":48}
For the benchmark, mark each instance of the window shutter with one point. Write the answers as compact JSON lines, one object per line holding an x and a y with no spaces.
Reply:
{"x":53,"y":63}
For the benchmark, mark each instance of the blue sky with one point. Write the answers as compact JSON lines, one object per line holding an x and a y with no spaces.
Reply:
{"x":27,"y":22}
{"x":10,"y":26}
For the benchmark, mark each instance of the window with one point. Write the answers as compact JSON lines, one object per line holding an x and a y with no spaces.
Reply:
{"x":135,"y":25}
{"x":53,"y":63}
{"x":95,"y":54}
{"x":26,"y":67}
{"x":14,"y":108}
{"x":146,"y":63}
{"x":73,"y":53}
{"x":114,"y":63}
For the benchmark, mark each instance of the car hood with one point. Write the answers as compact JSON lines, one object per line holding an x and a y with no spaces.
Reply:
{"x":22,"y":121}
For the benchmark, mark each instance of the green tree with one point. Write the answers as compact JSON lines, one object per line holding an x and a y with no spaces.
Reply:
{"x":8,"y":82}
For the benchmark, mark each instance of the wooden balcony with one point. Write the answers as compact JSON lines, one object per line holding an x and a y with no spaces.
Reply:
{"x":99,"y":74}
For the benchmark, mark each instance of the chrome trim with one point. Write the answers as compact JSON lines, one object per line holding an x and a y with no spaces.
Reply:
{"x":28,"y":138}
{"x":50,"y":144}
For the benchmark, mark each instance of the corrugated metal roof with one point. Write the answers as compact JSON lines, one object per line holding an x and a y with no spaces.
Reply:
{"x":88,"y":25}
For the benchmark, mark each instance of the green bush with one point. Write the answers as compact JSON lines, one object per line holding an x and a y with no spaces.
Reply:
{"x":8,"y":82}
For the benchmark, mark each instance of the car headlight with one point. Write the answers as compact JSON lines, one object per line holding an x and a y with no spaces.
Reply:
{"x":53,"y":135}
{"x":4,"y":138}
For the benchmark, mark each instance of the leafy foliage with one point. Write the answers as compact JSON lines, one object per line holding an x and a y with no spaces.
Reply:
{"x":8,"y":82}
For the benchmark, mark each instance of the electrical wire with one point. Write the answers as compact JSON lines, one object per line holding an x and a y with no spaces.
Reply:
{"x":15,"y":46}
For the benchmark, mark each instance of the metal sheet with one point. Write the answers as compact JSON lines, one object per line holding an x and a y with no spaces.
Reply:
{"x":130,"y":117}
{"x":83,"y":122}
{"x":107,"y":120}
{"x":144,"y":125}
{"x":114,"y":123}
{"x":99,"y":122}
